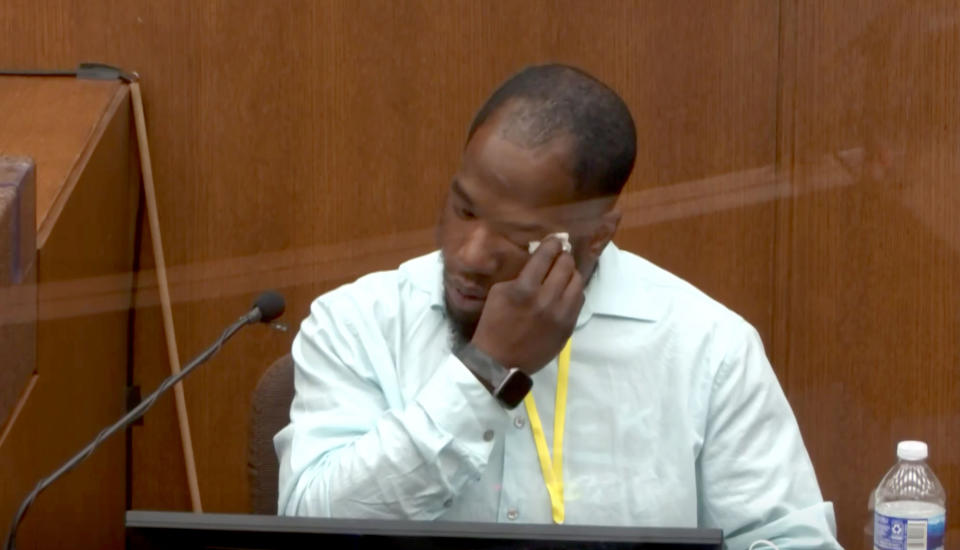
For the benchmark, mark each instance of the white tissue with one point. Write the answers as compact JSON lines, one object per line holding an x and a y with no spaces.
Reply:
{"x":564,"y":241}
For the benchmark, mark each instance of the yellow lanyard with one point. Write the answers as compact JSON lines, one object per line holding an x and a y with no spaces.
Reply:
{"x":552,"y":469}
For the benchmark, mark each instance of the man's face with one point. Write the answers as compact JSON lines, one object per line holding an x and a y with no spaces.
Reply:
{"x":502,"y":197}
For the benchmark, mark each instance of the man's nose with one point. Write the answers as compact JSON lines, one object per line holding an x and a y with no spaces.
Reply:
{"x":477,"y":253}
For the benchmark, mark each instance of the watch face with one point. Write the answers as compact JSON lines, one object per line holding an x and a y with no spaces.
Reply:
{"x":514,"y":388}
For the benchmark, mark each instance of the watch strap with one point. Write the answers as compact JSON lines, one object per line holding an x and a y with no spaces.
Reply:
{"x":483,"y":366}
{"x":509,"y":386}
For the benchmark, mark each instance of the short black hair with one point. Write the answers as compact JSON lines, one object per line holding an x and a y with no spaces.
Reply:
{"x":555,"y":100}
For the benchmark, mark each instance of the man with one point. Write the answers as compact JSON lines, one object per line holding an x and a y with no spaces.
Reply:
{"x":651,"y":404}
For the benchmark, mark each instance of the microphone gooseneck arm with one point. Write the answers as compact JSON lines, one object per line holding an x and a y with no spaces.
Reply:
{"x":255,"y":315}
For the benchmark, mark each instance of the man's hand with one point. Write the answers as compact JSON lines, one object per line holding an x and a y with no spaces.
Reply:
{"x":526,"y":321}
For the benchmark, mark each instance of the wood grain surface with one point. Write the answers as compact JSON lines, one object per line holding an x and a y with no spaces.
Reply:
{"x":796,"y":161}
{"x":873,"y":255}
{"x":81,"y":355}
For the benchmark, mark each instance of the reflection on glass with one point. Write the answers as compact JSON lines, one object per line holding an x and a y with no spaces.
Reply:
{"x":796,"y":161}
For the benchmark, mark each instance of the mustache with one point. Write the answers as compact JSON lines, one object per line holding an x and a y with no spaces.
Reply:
{"x":456,"y":273}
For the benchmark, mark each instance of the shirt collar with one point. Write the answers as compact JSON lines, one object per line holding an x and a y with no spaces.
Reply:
{"x":620,"y":290}
{"x":425,"y":273}
{"x":615,"y":290}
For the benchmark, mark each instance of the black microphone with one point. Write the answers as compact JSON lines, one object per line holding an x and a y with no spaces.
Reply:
{"x":267,"y":307}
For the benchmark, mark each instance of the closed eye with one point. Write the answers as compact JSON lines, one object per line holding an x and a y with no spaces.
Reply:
{"x":462,"y":205}
{"x":465,"y":213}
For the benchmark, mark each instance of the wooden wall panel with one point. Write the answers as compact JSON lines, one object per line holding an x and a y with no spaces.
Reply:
{"x":797,"y":161}
{"x":81,"y":349}
{"x":300,"y":144}
{"x":874,"y":255}
{"x":702,"y":200}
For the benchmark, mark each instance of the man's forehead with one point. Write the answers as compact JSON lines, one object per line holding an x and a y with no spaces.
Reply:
{"x":534,"y":176}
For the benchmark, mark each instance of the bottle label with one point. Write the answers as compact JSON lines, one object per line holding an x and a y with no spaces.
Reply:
{"x":893,"y":533}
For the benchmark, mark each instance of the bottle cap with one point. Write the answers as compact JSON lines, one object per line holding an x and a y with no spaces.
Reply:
{"x":912,"y":450}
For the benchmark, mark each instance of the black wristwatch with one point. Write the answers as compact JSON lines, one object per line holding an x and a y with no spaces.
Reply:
{"x":508,"y":385}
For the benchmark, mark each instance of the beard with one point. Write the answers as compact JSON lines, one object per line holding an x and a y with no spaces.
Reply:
{"x":462,"y":325}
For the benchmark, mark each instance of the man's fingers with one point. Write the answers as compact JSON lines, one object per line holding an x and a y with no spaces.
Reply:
{"x":572,"y":298}
{"x":557,"y":279}
{"x":532,"y":275}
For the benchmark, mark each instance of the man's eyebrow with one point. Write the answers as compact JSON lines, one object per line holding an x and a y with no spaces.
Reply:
{"x":525,"y":227}
{"x":522,"y":226}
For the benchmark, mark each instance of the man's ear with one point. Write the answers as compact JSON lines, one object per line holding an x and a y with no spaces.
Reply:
{"x":604,"y":231}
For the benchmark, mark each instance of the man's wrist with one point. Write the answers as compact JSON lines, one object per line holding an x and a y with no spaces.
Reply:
{"x":487,"y":371}
{"x":509,"y":386}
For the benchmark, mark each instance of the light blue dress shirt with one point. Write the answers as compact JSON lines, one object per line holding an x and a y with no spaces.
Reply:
{"x":674,"y":416}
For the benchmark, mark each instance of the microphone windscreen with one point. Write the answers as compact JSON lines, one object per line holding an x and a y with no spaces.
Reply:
{"x":271,"y":305}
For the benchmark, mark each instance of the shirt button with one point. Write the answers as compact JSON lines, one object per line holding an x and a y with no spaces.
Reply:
{"x":448,"y":503}
{"x":488,"y":435}
{"x":512,"y":514}
{"x":519,"y":422}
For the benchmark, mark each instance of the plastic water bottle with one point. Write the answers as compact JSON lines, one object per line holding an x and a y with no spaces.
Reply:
{"x":909,"y":504}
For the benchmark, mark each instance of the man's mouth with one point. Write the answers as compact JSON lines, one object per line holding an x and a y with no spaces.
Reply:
{"x":465,"y":296}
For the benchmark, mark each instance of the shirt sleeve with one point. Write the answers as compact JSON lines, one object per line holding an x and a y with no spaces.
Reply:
{"x":756,"y":479}
{"x":353,"y":449}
